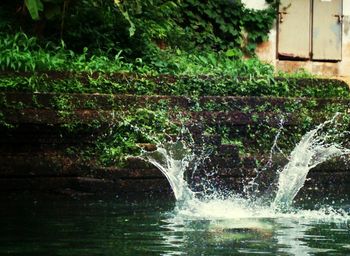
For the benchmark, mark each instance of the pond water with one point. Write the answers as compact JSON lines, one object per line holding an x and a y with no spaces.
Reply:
{"x":57,"y":225}
{"x":254,"y":221}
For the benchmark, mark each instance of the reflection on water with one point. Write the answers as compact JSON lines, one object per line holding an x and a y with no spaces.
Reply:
{"x":290,"y":235}
{"x":37,"y":225}
{"x":279,"y":236}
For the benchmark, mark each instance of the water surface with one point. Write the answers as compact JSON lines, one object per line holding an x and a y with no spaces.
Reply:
{"x":60,"y":225}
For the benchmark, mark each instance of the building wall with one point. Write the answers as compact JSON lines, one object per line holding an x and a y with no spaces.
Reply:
{"x":267,"y":51}
{"x":255,"y":4}
{"x":345,"y":66}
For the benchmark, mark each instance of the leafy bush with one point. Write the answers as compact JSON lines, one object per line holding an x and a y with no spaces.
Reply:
{"x":138,"y":26}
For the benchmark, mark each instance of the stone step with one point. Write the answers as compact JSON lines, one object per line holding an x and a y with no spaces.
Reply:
{"x":82,"y":118}
{"x":55,"y":117}
{"x":18,"y":100}
{"x":34,"y":155}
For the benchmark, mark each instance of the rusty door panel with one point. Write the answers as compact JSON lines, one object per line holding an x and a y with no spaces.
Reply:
{"x":327,"y":29}
{"x":294,"y":29}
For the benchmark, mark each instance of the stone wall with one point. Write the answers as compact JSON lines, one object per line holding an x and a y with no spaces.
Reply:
{"x":35,"y":139}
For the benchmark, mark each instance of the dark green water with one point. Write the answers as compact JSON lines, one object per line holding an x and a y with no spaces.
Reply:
{"x":56,"y":225}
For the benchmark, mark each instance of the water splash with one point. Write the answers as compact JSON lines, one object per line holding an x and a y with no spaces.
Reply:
{"x":312,"y":150}
{"x":174,"y":158}
{"x":253,"y":187}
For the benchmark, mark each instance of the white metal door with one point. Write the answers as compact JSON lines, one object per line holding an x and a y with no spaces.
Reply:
{"x":327,"y":30}
{"x":294,"y":29}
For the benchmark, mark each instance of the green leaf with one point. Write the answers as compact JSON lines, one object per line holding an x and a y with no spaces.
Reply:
{"x":233,"y":53}
{"x":34,"y":7}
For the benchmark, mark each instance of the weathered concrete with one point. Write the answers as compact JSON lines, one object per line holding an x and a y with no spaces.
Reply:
{"x":267,"y":51}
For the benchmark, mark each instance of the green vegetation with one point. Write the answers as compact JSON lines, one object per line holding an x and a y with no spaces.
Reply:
{"x":137,"y":26}
{"x":52,"y":68}
{"x":181,"y":47}
{"x":138,"y":125}
{"x":22,"y":53}
{"x":151,"y":37}
{"x":150,"y":47}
